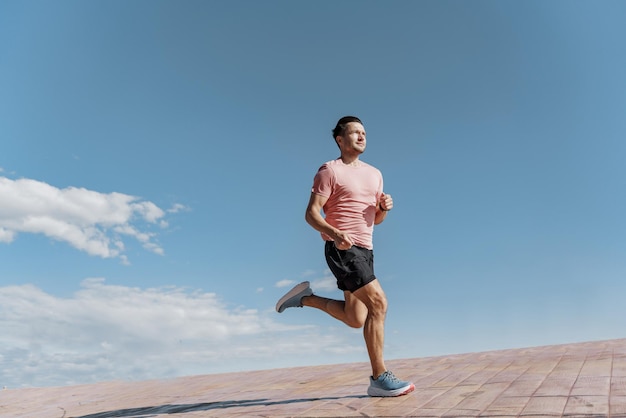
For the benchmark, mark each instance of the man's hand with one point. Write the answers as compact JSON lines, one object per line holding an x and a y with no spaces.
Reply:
{"x":385,"y":202}
{"x":317,"y":221}
{"x":342,"y":241}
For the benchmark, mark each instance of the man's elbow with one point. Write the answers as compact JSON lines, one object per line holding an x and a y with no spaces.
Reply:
{"x":310,"y":216}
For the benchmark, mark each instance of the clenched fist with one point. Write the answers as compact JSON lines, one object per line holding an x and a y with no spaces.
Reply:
{"x":385,"y":202}
{"x":343,"y":241}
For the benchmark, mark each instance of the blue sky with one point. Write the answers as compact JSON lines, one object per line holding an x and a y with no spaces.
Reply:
{"x":156,"y":158}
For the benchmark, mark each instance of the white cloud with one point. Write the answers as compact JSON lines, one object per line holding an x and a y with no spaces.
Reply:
{"x":177,"y":207}
{"x":107,"y":332}
{"x":326,"y":283}
{"x":90,"y":221}
{"x":6,"y":235}
{"x":284,"y":283}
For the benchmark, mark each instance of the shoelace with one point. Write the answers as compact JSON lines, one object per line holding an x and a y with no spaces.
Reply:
{"x":390,"y":376}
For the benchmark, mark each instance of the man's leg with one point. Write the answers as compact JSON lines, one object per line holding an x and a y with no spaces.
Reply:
{"x":350,"y":311}
{"x":367,"y":307}
{"x":382,"y":382}
{"x":373,"y":298}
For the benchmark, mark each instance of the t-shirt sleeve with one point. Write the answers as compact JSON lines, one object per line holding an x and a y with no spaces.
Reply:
{"x":323,"y":181}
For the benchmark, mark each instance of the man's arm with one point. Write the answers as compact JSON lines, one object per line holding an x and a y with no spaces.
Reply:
{"x":384,"y":205}
{"x":314,"y":218}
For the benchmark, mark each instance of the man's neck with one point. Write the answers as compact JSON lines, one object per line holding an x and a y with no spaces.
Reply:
{"x":350,"y":159}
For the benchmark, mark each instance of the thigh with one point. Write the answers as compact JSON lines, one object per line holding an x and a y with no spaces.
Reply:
{"x":355,"y":309}
{"x":372,"y":296}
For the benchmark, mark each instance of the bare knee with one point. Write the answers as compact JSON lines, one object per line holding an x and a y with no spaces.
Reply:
{"x":357,"y":317}
{"x":355,"y":311}
{"x":375,"y":300}
{"x":378,"y":306}
{"x":357,"y":321}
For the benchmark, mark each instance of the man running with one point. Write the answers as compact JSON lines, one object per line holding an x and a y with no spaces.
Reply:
{"x":350,"y":192}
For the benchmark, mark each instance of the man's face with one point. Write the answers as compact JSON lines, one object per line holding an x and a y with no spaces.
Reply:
{"x":353,"y":138}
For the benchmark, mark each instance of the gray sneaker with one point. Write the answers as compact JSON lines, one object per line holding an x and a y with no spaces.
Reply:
{"x":389,"y":385}
{"x":293,"y":298}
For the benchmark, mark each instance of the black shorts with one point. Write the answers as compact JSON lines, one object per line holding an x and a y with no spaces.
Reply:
{"x":353,"y":268}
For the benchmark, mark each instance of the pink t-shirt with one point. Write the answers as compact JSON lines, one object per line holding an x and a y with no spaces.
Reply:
{"x":353,"y":193}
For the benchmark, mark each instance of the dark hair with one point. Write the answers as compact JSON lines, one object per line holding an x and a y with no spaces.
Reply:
{"x":342,"y":123}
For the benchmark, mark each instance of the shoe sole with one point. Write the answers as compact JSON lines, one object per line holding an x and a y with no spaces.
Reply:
{"x":381,"y":393}
{"x":293,"y":292}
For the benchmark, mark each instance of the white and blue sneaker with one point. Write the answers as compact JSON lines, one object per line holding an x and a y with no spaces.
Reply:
{"x":388,"y":385}
{"x":293,"y":298}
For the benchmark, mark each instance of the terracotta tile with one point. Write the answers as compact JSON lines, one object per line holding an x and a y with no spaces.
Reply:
{"x":480,"y":400}
{"x":522,"y":387}
{"x":617,"y":405}
{"x":592,"y":386}
{"x":567,"y":380}
{"x":545,"y":405}
{"x":452,"y":397}
{"x":506,"y":406}
{"x":587,"y":405}
{"x":424,"y":412}
{"x":618,"y":386}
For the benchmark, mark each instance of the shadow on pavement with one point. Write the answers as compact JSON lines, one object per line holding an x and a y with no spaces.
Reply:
{"x":151,"y":411}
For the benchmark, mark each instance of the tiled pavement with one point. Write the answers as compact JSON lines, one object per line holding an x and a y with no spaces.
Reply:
{"x":574,"y":380}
